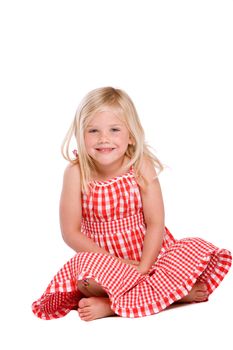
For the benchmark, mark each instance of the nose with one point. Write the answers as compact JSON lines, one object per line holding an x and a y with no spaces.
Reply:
{"x":103,"y":137}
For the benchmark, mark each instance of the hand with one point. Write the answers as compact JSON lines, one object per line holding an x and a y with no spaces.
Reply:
{"x":132,"y":262}
{"x":141,"y":269}
{"x":129,"y":262}
{"x":136,"y":264}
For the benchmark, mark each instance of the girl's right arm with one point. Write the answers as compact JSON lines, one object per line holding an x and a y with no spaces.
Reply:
{"x":71,"y":214}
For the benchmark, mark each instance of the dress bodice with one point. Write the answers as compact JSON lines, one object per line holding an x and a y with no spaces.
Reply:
{"x":113,"y":199}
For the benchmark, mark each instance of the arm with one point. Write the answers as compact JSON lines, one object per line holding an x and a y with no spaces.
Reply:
{"x":71,"y":213}
{"x":153,"y":210}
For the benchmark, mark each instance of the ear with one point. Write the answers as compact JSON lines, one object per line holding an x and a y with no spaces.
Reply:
{"x":131,"y":140}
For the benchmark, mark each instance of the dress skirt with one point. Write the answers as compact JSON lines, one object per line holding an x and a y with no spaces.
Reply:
{"x":131,"y":294}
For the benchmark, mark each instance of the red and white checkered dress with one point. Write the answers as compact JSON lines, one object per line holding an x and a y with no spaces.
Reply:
{"x":113,"y":218}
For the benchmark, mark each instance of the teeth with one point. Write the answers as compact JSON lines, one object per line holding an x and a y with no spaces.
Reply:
{"x":104,"y":149}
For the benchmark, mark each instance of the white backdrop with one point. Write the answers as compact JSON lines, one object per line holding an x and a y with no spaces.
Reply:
{"x":174,"y":58}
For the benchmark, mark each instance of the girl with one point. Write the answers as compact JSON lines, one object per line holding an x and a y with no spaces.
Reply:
{"x":111,"y":213}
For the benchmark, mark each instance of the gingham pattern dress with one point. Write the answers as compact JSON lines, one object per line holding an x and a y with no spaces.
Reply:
{"x":113,"y":218}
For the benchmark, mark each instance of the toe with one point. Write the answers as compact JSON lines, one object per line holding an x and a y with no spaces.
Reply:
{"x":202,"y":287}
{"x":200,"y":293}
{"x":201,"y":296}
{"x":83,"y":303}
{"x":200,"y":299}
{"x":87,"y":318}
{"x":83,"y":314}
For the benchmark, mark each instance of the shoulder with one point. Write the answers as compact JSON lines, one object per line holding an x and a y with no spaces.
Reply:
{"x":72,"y":174}
{"x":148,"y":170}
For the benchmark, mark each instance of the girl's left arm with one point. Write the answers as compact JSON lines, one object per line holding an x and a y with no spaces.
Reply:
{"x":153,"y":210}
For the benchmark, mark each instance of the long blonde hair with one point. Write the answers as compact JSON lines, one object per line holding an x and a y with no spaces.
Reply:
{"x":93,"y":102}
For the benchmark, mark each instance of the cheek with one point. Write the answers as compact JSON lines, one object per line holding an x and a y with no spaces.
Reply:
{"x":88,"y":144}
{"x":124,"y":136}
{"x":127,"y":139}
{"x":123,"y":142}
{"x":88,"y":139}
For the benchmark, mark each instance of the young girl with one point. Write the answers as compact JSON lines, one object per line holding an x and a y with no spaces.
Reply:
{"x":111,"y":213}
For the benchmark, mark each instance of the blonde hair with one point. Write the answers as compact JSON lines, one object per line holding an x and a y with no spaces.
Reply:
{"x":118,"y":100}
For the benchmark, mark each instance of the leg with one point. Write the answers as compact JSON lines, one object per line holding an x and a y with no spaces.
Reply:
{"x":97,"y":303}
{"x":93,"y":289}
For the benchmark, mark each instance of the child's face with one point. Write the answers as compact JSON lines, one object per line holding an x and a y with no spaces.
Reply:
{"x":106,"y":138}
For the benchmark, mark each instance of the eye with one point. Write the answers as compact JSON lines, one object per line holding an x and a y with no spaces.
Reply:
{"x":92,"y":131}
{"x":115,"y":129}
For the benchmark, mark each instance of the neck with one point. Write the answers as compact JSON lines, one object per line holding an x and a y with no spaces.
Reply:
{"x":109,"y":171}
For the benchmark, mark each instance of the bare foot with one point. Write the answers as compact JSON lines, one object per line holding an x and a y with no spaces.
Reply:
{"x":198,"y":293}
{"x":94,"y":307}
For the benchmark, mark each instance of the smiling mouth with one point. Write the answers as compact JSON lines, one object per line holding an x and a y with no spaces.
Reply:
{"x":105,"y":150}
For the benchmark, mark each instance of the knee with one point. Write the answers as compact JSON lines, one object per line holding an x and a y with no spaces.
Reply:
{"x":81,"y":286}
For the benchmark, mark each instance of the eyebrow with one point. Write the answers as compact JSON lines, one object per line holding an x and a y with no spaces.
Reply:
{"x":111,"y":125}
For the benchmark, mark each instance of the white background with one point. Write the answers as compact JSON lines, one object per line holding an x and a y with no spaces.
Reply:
{"x":174,"y":58}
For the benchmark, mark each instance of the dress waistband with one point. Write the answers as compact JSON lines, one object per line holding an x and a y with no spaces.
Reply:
{"x":112,"y":227}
